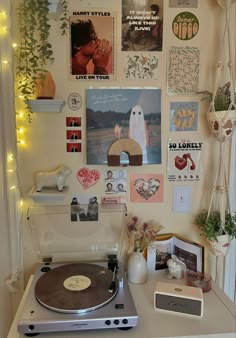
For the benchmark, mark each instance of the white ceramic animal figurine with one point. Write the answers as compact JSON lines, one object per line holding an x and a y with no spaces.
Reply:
{"x":56,"y":178}
{"x":176,"y":268}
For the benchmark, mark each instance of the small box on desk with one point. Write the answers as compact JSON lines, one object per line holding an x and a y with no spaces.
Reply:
{"x":178,"y":298}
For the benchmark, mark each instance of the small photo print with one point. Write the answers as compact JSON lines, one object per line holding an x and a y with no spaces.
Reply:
{"x":84,"y":208}
{"x":115,"y":182}
{"x":73,"y":121}
{"x":73,"y":134}
{"x":73,"y":147}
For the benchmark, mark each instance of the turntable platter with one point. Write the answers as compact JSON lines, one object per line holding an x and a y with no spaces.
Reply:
{"x":75,"y":288}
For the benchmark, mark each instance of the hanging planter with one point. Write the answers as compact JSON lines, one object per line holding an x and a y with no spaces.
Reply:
{"x":222,"y":124}
{"x":222,"y":111}
{"x":221,"y":246}
{"x":218,"y":235}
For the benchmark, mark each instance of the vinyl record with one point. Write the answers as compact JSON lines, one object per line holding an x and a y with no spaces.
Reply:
{"x":75,"y":288}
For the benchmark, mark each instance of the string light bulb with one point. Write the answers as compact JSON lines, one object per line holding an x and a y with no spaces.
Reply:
{"x":21,"y":142}
{"x":20,"y":130}
{"x":10,"y":157}
{"x":3,"y":27}
{"x":20,"y":114}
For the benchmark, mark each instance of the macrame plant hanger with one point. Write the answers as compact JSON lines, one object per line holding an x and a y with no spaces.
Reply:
{"x":223,"y":126}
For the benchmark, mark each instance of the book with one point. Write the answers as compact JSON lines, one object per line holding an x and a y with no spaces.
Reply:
{"x":189,"y":252}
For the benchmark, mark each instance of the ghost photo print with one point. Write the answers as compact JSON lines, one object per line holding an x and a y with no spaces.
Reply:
{"x":113,"y":114}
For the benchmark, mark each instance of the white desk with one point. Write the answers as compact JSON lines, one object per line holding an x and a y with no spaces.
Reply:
{"x":219,"y":318}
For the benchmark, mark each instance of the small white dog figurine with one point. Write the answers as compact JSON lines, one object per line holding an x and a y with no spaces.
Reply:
{"x":176,"y":268}
{"x":56,"y":178}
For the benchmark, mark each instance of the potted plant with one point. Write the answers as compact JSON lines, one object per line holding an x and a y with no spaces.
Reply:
{"x":35,"y":51}
{"x":218,"y":234}
{"x":222,"y":111}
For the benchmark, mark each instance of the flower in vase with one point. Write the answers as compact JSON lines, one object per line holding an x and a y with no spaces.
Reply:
{"x":140,"y":235}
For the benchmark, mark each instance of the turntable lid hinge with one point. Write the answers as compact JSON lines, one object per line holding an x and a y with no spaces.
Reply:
{"x":112,"y":262}
{"x":47,"y":259}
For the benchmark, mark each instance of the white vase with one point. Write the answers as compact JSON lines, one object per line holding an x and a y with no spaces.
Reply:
{"x":221,"y":246}
{"x":137,"y":268}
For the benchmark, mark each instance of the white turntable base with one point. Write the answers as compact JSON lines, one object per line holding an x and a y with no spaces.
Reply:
{"x":217,"y":321}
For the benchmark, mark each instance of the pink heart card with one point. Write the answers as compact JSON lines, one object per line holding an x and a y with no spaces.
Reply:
{"x":87,"y":178}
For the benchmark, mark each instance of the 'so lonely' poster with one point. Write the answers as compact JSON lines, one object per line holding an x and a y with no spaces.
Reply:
{"x":184,"y":160}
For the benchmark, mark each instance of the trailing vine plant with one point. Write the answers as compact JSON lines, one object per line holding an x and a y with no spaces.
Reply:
{"x":64,"y":18}
{"x":35,"y":51}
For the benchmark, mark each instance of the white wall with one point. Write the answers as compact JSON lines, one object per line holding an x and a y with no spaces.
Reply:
{"x":46,"y":139}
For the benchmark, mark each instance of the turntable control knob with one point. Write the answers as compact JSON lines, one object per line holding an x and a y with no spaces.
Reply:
{"x":31,"y":327}
{"x":116,"y":321}
{"x":108,"y":322}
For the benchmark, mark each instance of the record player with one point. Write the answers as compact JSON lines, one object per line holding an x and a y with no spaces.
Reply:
{"x":81,"y":284}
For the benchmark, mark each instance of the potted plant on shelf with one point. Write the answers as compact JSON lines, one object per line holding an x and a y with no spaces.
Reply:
{"x":218,"y":235}
{"x":222,"y":111}
{"x":35,"y":51}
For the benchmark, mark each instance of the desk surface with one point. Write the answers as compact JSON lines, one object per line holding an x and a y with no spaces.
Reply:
{"x":217,"y":321}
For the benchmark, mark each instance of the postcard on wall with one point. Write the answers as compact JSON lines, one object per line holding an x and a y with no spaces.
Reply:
{"x":190,"y":253}
{"x":91,"y":45}
{"x":146,"y":188}
{"x":183,"y":70}
{"x":142,"y":25}
{"x":113,"y":114}
{"x":141,"y":67}
{"x":184,"y":160}
{"x":84,"y":208}
{"x":183,"y":3}
{"x":183,"y":116}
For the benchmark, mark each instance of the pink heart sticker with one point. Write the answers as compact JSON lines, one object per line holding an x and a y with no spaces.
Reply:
{"x":87,"y":178}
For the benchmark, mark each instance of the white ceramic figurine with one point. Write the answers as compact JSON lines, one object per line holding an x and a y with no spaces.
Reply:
{"x":56,"y":178}
{"x":176,"y":268}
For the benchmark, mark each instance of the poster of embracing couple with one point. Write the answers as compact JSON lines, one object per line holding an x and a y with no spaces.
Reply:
{"x":92,"y":45}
